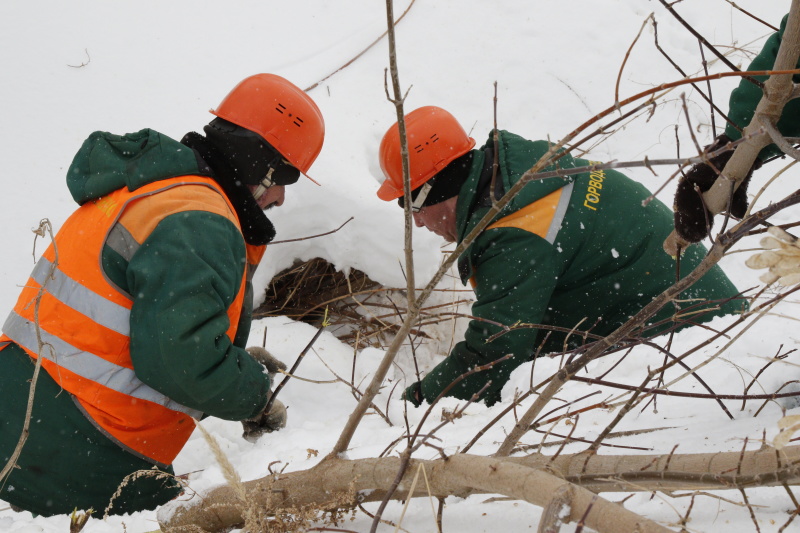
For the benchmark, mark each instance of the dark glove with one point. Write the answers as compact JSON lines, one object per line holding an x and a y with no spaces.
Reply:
{"x":275,"y":419}
{"x":413,"y":394}
{"x":692,"y":219}
{"x":265,"y":422}
{"x":272,"y":364}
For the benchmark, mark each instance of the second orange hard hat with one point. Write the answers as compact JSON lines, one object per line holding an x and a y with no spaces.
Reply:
{"x":435,"y":138}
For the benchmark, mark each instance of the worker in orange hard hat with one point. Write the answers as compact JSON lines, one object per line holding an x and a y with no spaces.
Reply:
{"x":146,"y":304}
{"x":572,"y":253}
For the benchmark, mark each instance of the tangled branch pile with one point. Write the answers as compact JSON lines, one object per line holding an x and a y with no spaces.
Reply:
{"x":360,"y":311}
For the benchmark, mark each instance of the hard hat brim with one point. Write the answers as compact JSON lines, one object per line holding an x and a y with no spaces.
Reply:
{"x":387,"y":191}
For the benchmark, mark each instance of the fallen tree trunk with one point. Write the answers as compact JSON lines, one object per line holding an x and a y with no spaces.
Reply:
{"x":534,"y":478}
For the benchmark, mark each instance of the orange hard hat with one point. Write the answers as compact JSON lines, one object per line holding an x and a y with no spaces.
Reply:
{"x":281,"y":113}
{"x":435,"y":138}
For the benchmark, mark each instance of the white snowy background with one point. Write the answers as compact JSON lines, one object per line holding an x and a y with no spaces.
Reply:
{"x":69,"y":68}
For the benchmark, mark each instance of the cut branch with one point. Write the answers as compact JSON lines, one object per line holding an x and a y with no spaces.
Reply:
{"x":517,"y":477}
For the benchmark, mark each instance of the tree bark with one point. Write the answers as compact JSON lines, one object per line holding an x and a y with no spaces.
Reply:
{"x":534,"y":478}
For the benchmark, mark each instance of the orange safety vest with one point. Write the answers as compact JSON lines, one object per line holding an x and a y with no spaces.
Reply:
{"x":84,"y":319}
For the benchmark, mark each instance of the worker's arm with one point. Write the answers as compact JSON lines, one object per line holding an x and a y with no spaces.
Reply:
{"x":744,"y":99}
{"x":516,"y":273}
{"x":182,"y":280}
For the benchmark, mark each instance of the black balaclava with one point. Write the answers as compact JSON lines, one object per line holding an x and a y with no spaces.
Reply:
{"x":249,"y":154}
{"x":235,"y":160}
{"x":244,"y":151}
{"x":447,"y":182}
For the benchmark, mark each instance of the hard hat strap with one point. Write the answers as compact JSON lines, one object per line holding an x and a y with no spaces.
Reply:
{"x":419,"y":201}
{"x":265,"y":184}
{"x":280,"y":172}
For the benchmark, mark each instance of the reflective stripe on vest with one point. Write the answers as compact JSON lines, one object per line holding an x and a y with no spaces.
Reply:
{"x":542,"y":217}
{"x":87,"y":365}
{"x":84,"y":320}
{"x":70,"y":292}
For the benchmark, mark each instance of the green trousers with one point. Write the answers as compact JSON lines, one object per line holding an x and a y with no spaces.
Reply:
{"x":66,"y":463}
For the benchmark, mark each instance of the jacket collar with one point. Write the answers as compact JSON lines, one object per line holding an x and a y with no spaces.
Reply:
{"x":257,"y":229}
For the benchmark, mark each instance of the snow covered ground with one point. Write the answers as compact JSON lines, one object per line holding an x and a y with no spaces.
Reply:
{"x":70,"y":68}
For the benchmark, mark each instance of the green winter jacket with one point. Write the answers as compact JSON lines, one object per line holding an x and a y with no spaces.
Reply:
{"x":744,"y":99}
{"x":194,"y":261}
{"x":599,"y":267}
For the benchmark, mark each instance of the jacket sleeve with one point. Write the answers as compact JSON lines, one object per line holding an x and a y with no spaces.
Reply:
{"x":515,"y":274}
{"x":744,"y":99}
{"x":183,"y":279}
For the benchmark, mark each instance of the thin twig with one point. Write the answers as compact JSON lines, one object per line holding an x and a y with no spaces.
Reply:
{"x":361,"y":53}
{"x":627,"y":55}
{"x":777,"y":357}
{"x":765,"y":23}
{"x":412,"y":445}
{"x":83,"y":63}
{"x":708,"y":45}
{"x":313,"y":236}
{"x":677,"y":394}
{"x":292,"y":370}
{"x":44,"y":228}
{"x":413,"y":304}
{"x":750,"y":508}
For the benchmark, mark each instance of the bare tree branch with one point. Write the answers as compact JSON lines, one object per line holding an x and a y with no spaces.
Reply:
{"x":778,"y":90}
{"x":521,"y":478}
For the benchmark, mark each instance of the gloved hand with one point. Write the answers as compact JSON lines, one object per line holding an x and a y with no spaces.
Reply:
{"x":273,"y":364}
{"x":413,"y":394}
{"x":782,"y":258}
{"x":692,"y":220}
{"x":262,"y":423}
{"x":275,"y":419}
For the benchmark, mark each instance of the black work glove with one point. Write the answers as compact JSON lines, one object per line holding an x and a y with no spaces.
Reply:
{"x":414,"y":394}
{"x":275,"y":419}
{"x":692,"y":220}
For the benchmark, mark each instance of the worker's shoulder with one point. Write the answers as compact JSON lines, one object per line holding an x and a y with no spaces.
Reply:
{"x":190,"y":195}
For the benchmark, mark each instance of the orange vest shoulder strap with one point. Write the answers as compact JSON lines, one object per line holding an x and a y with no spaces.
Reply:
{"x":542,"y":217}
{"x":191,"y":193}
